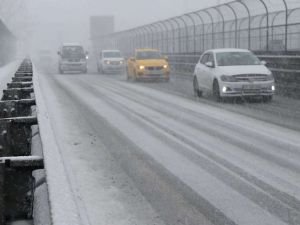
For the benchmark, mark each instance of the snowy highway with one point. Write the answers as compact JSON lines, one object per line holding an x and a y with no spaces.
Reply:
{"x":152,"y":153}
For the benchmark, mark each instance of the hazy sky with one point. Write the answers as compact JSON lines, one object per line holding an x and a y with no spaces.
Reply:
{"x":57,"y":21}
{"x":68,"y":20}
{"x":128,"y":13}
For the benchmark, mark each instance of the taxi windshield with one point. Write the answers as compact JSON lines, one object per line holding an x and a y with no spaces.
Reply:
{"x":148,"y":55}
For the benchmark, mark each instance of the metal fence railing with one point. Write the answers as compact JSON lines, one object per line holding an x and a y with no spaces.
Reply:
{"x":253,"y":24}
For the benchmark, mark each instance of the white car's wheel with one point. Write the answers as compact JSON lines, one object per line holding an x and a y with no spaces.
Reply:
{"x":197,"y":91}
{"x":216,"y":91}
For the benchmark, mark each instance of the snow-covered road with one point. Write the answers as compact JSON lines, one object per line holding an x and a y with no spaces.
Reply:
{"x":146,"y":154}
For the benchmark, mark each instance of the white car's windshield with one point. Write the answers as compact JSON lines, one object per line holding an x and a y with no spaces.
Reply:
{"x":236,"y":59}
{"x":148,"y":55}
{"x":112,"y":55}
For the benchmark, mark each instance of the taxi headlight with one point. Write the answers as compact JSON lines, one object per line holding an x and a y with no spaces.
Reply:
{"x":165,"y":66}
{"x":141,"y":67}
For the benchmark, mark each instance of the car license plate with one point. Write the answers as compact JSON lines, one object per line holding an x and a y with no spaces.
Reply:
{"x":154,"y":72}
{"x":251,"y":87}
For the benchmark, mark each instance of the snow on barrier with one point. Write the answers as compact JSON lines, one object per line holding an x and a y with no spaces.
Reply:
{"x":17,"y":184}
{"x":34,"y":187}
{"x":63,"y":207}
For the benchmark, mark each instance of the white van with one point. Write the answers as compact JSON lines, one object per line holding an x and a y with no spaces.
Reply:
{"x":72,"y":58}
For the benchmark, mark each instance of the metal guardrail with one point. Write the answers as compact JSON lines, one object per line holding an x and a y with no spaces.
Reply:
{"x":34,"y":183}
{"x":278,"y":63}
{"x":17,"y":117}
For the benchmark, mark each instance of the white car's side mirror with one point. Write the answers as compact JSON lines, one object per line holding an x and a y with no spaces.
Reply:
{"x":209,"y":64}
{"x":263,"y":63}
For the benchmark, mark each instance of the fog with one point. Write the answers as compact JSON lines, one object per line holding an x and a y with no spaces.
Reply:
{"x":128,"y":13}
{"x":51,"y":22}
{"x":44,"y":24}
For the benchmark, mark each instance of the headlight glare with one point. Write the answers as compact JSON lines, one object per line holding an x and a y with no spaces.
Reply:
{"x":165,"y":66}
{"x":141,"y":67}
{"x":273,"y":88}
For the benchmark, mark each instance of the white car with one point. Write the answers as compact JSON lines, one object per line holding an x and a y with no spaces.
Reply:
{"x":111,"y":61}
{"x":233,"y":73}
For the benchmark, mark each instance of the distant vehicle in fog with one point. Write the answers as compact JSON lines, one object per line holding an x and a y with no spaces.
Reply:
{"x":148,"y":64}
{"x":110,"y":61}
{"x":233,"y":73}
{"x":72,"y":58}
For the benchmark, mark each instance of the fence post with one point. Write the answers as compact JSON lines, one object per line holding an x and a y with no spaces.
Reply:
{"x":267,"y":15}
{"x":194,"y":31}
{"x":286,"y":24}
{"x":2,"y":206}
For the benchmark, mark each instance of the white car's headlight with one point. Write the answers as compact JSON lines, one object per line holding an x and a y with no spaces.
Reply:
{"x":107,"y":62}
{"x":273,"y":88}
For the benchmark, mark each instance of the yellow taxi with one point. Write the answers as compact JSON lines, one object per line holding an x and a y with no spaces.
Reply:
{"x":148,"y":64}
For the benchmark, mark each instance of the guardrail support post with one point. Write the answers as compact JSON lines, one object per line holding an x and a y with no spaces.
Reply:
{"x":2,"y":206}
